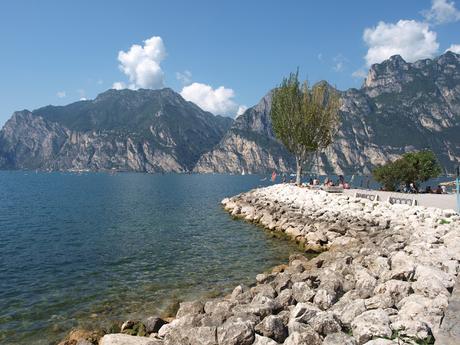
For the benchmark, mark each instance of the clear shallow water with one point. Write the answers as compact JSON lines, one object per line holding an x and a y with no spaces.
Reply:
{"x":81,"y":250}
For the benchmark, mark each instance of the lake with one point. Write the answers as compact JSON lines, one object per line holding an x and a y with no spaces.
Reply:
{"x":83,"y":250}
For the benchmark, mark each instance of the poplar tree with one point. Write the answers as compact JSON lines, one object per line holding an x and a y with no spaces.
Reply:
{"x":305,"y":119}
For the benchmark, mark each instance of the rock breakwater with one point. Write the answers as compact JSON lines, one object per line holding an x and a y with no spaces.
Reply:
{"x":384,"y":277}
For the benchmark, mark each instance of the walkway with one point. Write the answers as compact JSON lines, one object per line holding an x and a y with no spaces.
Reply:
{"x":444,"y":201}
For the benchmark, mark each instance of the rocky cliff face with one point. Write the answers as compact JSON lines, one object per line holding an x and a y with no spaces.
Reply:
{"x":143,"y":130}
{"x":401,"y":107}
{"x":249,"y":145}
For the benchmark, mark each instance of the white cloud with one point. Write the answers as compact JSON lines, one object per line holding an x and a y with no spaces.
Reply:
{"x":442,"y":12}
{"x":217,"y":101}
{"x":61,"y":94}
{"x":83,"y":99}
{"x":338,"y":67}
{"x":339,"y":63}
{"x":241,"y":110}
{"x":454,"y":48}
{"x":118,"y":85}
{"x":411,"y":39}
{"x":184,"y":77}
{"x":142,"y":64}
{"x":359,"y":74}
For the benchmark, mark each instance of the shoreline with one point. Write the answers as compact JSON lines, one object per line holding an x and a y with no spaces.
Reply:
{"x":385,"y":271}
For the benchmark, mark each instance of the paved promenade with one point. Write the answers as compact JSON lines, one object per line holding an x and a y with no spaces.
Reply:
{"x":444,"y":201}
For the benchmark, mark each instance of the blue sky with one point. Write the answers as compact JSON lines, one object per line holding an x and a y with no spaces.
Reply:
{"x":56,"y":52}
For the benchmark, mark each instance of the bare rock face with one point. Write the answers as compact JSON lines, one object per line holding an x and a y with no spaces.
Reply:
{"x":400,"y":107}
{"x":124,"y":130}
{"x":249,"y":144}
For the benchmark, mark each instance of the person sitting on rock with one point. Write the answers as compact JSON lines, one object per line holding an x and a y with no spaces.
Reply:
{"x":328,"y":182}
{"x":341,"y":181}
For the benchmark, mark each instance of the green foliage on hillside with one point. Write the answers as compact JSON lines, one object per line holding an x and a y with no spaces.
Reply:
{"x":129,"y":111}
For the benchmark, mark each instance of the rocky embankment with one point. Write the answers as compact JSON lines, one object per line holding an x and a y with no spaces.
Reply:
{"x":384,"y":277}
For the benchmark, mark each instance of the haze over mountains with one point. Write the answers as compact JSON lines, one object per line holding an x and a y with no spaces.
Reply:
{"x":400,"y":107}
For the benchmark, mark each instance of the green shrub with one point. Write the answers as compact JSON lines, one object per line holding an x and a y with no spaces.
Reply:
{"x":413,"y":167}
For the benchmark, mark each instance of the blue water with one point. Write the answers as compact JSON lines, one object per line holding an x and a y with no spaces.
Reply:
{"x":85,"y":250}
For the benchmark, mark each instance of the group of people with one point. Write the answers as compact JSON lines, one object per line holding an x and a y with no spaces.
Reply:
{"x":340,"y":182}
{"x":441,"y":189}
{"x":412,"y":188}
{"x":328,"y":182}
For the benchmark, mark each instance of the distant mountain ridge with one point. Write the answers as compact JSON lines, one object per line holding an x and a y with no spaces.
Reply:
{"x":142,"y":130}
{"x":400,"y":107}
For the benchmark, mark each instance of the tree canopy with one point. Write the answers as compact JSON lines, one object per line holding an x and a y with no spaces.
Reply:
{"x":304,"y":118}
{"x":412,"y":167}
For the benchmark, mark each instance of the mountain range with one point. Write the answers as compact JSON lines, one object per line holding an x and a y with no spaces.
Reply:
{"x":123,"y":130}
{"x":400,"y":107}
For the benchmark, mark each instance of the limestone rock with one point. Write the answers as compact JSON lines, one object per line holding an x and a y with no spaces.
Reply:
{"x":124,"y":339}
{"x":304,"y":312}
{"x":339,"y":338}
{"x":153,"y":324}
{"x":325,"y":323}
{"x":203,"y":336}
{"x":324,"y":298}
{"x":381,"y":341}
{"x":236,"y":333}
{"x":395,"y":289}
{"x":260,"y":340}
{"x":302,"y":292}
{"x":402,"y":266}
{"x":273,"y":327}
{"x":372,"y":323}
{"x":307,"y":337}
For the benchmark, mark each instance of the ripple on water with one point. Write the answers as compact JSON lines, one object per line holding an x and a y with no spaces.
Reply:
{"x":73,"y":247}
